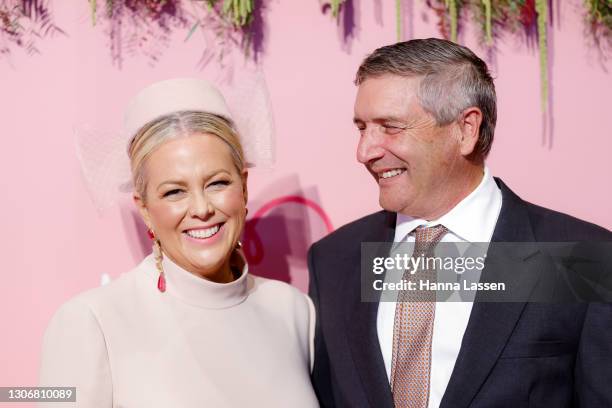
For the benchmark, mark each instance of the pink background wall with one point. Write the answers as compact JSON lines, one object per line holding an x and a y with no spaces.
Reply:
{"x":54,"y":243}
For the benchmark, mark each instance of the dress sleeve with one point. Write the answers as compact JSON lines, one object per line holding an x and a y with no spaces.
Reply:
{"x":75,"y":355}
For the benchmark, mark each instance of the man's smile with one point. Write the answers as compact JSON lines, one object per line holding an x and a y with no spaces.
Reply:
{"x":390,"y":173}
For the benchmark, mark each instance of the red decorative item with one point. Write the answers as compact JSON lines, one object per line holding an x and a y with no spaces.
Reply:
{"x":253,"y":247}
{"x":150,"y":234}
{"x":161,"y":283}
{"x":529,"y":14}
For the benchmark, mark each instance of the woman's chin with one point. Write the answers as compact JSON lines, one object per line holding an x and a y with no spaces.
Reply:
{"x":208,"y":264}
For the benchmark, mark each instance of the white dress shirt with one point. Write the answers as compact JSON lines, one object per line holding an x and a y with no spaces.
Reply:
{"x":471,"y":220}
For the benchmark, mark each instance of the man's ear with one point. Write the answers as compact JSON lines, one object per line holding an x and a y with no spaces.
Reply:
{"x":142,"y":209}
{"x":245,"y":191}
{"x":469,"y":126}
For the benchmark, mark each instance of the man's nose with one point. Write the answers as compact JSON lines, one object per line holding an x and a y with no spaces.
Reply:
{"x":370,"y":146}
{"x":200,"y":206}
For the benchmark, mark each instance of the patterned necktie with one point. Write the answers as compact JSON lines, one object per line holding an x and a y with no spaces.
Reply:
{"x":413,"y":330}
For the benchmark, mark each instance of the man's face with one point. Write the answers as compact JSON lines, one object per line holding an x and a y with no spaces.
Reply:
{"x":413,"y":160}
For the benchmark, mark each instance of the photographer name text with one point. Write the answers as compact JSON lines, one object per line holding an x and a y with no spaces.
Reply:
{"x":426,"y":285}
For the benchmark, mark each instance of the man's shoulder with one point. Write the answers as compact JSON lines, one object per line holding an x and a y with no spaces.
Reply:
{"x":551,"y":225}
{"x":545,"y":224}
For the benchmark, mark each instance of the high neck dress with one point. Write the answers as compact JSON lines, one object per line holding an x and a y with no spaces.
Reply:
{"x":200,"y":344}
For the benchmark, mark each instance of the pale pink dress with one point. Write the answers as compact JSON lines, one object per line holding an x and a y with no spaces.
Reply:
{"x":200,"y":344}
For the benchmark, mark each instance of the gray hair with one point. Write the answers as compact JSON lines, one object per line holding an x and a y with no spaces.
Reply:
{"x":453,"y":79}
{"x":179,"y":124}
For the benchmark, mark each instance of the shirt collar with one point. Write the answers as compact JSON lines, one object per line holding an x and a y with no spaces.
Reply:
{"x":473,"y":219}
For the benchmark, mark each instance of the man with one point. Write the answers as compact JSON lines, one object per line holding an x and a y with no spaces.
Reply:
{"x":426,"y":113}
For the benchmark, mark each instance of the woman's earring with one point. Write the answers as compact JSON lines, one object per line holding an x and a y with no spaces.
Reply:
{"x":238,"y":244}
{"x":157,"y":253}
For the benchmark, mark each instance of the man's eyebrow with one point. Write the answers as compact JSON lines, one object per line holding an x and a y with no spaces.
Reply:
{"x":388,"y":119}
{"x":381,"y":119}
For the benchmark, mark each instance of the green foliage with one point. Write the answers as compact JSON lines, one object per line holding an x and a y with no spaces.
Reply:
{"x":23,"y":23}
{"x":335,"y":6}
{"x":94,"y":9}
{"x":488,"y":31}
{"x":542,"y":10}
{"x":600,"y":12}
{"x":453,"y":12}
{"x":237,"y":12}
{"x":599,"y":17}
{"x":524,"y":17}
{"x":518,"y":16}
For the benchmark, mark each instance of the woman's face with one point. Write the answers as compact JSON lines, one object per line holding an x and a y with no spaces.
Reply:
{"x":195,"y":203}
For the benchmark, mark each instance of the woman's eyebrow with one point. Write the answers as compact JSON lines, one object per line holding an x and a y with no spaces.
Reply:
{"x":184,"y":184}
{"x":172,"y":182}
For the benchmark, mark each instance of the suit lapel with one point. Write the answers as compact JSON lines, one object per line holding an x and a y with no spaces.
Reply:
{"x":361,"y":330}
{"x":491,"y":324}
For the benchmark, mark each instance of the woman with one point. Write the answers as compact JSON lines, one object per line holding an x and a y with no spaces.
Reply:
{"x":188,"y":327}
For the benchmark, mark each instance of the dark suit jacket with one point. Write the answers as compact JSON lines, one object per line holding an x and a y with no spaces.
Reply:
{"x":512,"y":354}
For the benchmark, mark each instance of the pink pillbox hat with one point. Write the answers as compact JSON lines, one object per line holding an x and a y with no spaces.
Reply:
{"x":173,"y":95}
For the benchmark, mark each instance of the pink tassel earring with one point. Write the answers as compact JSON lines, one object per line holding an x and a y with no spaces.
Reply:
{"x":157,"y":253}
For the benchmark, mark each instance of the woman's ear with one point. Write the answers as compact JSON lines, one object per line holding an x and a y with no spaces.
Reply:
{"x":142,"y":209}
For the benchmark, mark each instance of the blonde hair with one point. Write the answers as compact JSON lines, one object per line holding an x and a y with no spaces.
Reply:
{"x":179,"y":124}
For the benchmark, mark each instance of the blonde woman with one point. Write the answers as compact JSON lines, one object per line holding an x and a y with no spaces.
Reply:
{"x":189,"y":326}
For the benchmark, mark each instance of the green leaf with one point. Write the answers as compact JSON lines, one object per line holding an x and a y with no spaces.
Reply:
{"x":94,"y":6}
{"x":398,"y":19}
{"x":227,"y":6}
{"x":542,"y":10}
{"x":452,"y":9}
{"x":488,"y":31}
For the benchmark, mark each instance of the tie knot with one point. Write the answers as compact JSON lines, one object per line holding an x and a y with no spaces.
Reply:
{"x":429,"y":235}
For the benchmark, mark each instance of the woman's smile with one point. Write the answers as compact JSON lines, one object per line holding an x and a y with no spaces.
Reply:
{"x":205,"y":235}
